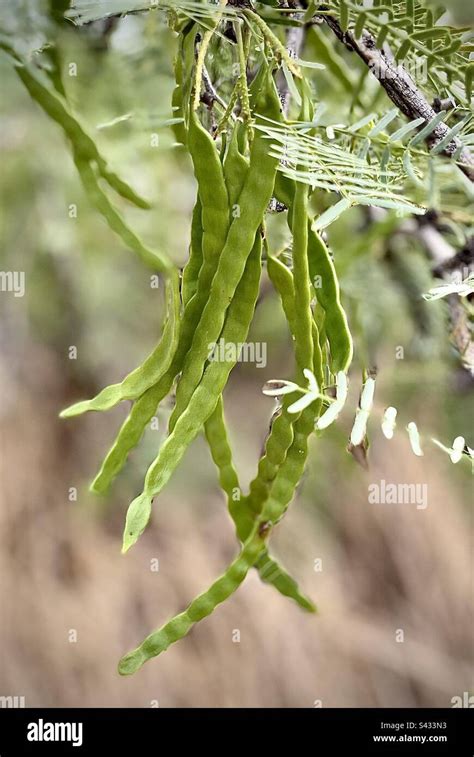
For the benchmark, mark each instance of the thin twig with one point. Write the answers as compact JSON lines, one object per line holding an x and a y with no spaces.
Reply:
{"x":212,"y":96}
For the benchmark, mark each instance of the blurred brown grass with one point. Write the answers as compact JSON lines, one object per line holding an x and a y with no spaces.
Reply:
{"x":384,"y":568}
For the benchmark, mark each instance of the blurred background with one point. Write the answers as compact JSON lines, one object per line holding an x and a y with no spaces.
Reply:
{"x":393,"y":583}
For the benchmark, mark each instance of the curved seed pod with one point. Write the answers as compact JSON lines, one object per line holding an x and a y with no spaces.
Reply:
{"x":279,"y":442}
{"x":199,"y":608}
{"x":202,"y":403}
{"x":321,"y":269}
{"x":245,"y":511}
{"x":236,"y":167}
{"x":282,"y":433}
{"x":147,"y":374}
{"x":284,"y":189}
{"x":57,"y":109}
{"x":335,"y":323}
{"x":240,"y":509}
{"x":275,"y":507}
{"x":86,"y":153}
{"x":254,"y":199}
{"x":135,"y":424}
{"x":193,"y":266}
{"x":216,"y":435}
{"x":143,"y":411}
{"x":211,"y":187}
{"x":292,"y":468}
{"x":235,"y":172}
{"x":188,"y":54}
{"x":121,"y":187}
{"x":154,"y":260}
{"x":272,"y":573}
{"x":276,"y":446}
{"x":282,"y":279}
{"x":303,"y":319}
{"x":129,"y":436}
{"x":145,"y":407}
{"x":215,"y":222}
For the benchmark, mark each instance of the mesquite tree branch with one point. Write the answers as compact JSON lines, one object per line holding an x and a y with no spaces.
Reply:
{"x":401,"y":89}
{"x":397,"y":83}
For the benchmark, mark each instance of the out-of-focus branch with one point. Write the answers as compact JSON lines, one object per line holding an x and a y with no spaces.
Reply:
{"x":294,"y":42}
{"x":463,"y":260}
{"x":295,"y":36}
{"x":450,"y":265}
